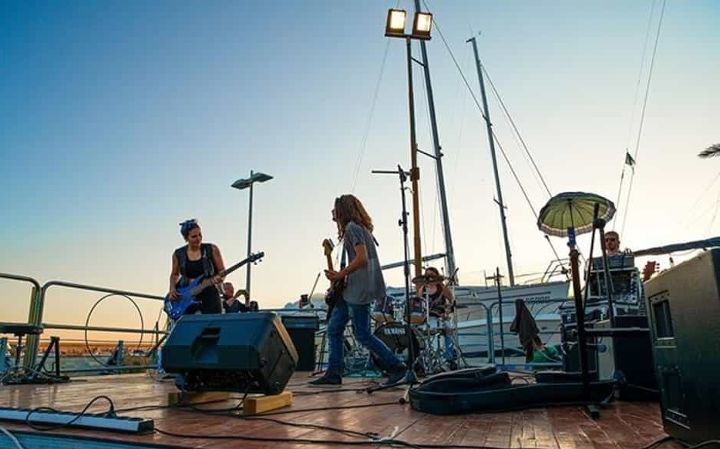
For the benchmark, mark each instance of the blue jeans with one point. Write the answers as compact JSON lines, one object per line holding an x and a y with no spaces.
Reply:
{"x":360,"y":316}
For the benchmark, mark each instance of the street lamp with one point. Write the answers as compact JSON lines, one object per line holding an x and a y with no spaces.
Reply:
{"x":395,"y":27}
{"x":241,"y":184}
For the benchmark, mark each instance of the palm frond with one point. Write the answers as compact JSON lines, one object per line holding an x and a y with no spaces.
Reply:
{"x":711,"y":151}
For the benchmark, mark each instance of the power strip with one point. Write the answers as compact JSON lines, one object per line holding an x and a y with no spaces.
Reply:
{"x":98,"y":421}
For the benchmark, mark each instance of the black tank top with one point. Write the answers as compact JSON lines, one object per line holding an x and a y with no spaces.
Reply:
{"x":438,"y":303}
{"x":192,"y":269}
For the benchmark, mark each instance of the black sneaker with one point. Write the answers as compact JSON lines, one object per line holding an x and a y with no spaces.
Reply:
{"x":327,"y":379}
{"x":396,"y":374}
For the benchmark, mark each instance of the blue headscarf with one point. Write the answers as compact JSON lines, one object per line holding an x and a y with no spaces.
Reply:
{"x":187,"y":226}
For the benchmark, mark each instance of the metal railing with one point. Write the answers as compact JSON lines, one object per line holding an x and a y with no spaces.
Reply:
{"x":38,"y":298}
{"x":495,"y":339}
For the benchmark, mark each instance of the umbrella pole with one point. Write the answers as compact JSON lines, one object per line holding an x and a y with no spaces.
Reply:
{"x":590,"y":257}
{"x":600,"y":224}
{"x":580,"y":321}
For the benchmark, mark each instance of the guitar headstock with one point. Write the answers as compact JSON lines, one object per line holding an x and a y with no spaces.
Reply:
{"x":650,"y":268}
{"x":328,"y":247}
{"x":254,"y":257}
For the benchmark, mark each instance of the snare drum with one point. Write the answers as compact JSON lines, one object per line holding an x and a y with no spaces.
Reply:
{"x":383,"y":310}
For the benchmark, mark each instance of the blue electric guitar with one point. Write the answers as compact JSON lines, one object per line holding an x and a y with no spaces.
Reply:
{"x":175,"y":308}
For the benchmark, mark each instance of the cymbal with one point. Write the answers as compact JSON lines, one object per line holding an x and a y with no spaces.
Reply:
{"x":427,"y":280}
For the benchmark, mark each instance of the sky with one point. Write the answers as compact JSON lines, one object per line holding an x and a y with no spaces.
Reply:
{"x":119,"y":120}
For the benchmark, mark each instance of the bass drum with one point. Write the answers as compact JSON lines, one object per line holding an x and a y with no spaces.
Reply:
{"x":398,"y":337}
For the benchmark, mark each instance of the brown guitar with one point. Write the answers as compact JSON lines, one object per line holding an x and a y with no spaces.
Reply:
{"x":334,"y":293}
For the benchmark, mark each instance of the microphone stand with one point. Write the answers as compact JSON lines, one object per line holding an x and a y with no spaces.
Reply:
{"x":410,"y":378}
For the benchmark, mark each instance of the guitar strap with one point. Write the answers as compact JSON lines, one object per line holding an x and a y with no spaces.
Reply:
{"x":343,"y":254}
{"x":208,"y":265}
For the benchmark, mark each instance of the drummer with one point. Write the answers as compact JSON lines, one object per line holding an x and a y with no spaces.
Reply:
{"x":441,"y":302}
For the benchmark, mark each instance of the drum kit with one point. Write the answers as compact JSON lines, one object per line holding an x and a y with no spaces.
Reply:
{"x":420,"y":328}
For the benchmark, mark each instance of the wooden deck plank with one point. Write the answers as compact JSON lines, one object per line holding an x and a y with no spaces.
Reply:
{"x":621,"y":426}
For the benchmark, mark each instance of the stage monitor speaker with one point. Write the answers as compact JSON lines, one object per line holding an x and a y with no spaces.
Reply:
{"x":684,"y":309}
{"x":239,"y":352}
{"x":302,"y":329}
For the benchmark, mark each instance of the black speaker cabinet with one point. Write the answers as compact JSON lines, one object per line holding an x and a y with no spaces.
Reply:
{"x":302,"y":329}
{"x":684,"y":309}
{"x":239,"y":352}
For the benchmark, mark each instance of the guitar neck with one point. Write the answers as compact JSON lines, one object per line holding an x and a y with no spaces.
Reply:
{"x":233,"y":268}
{"x":329,"y":262}
{"x":208,"y":281}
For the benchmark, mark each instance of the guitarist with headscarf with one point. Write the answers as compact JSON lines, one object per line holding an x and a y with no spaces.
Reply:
{"x":193,"y":260}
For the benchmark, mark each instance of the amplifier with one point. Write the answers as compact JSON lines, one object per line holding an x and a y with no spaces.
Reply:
{"x":684,"y":309}
{"x":302,"y":329}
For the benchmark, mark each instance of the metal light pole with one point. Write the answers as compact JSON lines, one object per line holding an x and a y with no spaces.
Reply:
{"x":414,"y":169}
{"x":241,"y":184}
{"x":395,"y":27}
{"x":449,"y":249}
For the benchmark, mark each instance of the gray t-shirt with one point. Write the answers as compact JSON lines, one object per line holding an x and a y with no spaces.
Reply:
{"x":366,"y":284}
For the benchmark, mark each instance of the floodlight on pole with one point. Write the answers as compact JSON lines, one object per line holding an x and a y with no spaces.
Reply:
{"x":422,"y":25}
{"x":242,"y":184}
{"x":395,"y":27}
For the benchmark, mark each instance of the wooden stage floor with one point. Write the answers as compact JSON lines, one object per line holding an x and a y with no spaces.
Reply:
{"x":320,"y":415}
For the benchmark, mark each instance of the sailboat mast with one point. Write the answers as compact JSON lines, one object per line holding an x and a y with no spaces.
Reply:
{"x":499,"y":200}
{"x":449,"y":251}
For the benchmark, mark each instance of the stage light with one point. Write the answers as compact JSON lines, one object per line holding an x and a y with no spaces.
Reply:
{"x":395,"y":26}
{"x":422,"y":25}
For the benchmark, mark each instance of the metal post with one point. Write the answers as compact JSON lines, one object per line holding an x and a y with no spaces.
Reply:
{"x":249,"y":244}
{"x":500,"y":312}
{"x":579,"y":318}
{"x":3,"y":354}
{"x":499,"y":200}
{"x":449,"y":251}
{"x":414,"y":170}
{"x":37,"y":297}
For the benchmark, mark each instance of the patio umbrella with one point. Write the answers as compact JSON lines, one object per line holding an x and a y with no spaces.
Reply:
{"x":566,"y":215}
{"x":573,"y":210}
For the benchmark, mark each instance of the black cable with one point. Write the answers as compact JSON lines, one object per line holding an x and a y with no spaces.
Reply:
{"x":284,"y":440}
{"x":109,"y":413}
{"x":704,"y":443}
{"x":517,"y":132}
{"x":642,"y":115}
{"x":658,"y":442}
{"x":339,"y":407}
{"x":328,"y":442}
{"x":335,"y":390}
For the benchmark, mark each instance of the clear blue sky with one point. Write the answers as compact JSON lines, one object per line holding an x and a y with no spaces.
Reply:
{"x":120,"y":119}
